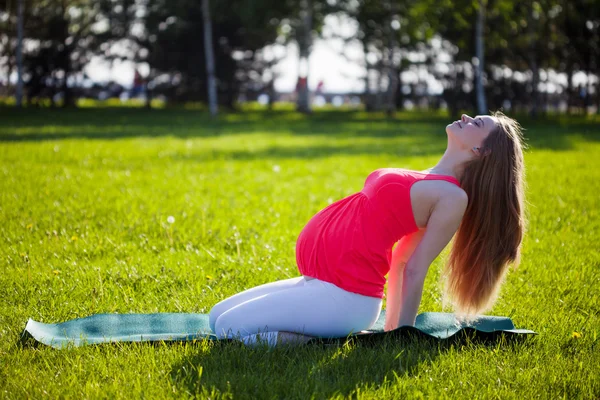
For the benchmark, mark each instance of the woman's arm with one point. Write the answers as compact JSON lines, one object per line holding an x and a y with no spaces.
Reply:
{"x":400,"y":255}
{"x":441,"y":227}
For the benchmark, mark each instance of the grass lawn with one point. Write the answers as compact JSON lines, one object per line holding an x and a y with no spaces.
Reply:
{"x":84,"y":200}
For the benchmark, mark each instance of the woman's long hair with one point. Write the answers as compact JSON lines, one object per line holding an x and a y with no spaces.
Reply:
{"x":489,"y":237}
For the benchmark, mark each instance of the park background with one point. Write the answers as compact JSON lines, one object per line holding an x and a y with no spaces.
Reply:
{"x":533,"y":56}
{"x":170,"y":189}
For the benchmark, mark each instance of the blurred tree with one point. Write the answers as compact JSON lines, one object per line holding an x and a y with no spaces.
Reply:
{"x":579,"y":21}
{"x":500,"y":30}
{"x":20,"y":16}
{"x":524,"y":42}
{"x":118,"y":29}
{"x":304,"y":30}
{"x":388,"y":31}
{"x":210,"y":58}
{"x":60,"y":43}
{"x":173,"y":36}
{"x":304,"y":21}
{"x":457,"y":25}
{"x":479,"y":57}
{"x":522,"y":49}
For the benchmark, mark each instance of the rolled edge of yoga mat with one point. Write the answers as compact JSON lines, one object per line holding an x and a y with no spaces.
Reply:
{"x":407,"y":332}
{"x":113,"y":328}
{"x":171,"y":327}
{"x":442,"y":327}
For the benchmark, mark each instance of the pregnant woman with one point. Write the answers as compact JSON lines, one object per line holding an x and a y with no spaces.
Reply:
{"x":396,"y":226}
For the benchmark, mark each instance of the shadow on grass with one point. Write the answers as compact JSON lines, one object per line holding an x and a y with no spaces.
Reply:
{"x":115,"y":124}
{"x":13,"y":118}
{"x":315,"y":370}
{"x":110,"y":125}
{"x":319,"y":369}
{"x":419,"y":147}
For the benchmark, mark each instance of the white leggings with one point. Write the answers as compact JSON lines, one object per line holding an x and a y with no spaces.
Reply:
{"x":303,"y":305}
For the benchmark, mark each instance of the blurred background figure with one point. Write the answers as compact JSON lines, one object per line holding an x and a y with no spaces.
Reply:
{"x":138,"y":85}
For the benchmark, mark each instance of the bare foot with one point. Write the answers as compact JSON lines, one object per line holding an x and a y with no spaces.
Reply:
{"x":292,"y":338}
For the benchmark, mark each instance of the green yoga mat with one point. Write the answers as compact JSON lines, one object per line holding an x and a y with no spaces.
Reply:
{"x":107,"y":328}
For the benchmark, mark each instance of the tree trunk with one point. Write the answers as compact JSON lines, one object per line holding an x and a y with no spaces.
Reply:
{"x":304,"y":46}
{"x":569,"y":85}
{"x":65,"y":58}
{"x":535,"y":80}
{"x":598,"y":92}
{"x":399,"y":94}
{"x":391,"y":68}
{"x":598,"y":97}
{"x":452,"y":98}
{"x":19,"y":94}
{"x":533,"y":64}
{"x":367,"y":93}
{"x":148,"y":91}
{"x":210,"y":59}
{"x":271,"y":84}
{"x":545,"y":102}
{"x":479,"y":54}
{"x":379,"y":101}
{"x":271,"y":92}
{"x":391,"y":91}
{"x":68,"y":98}
{"x":588,"y":96}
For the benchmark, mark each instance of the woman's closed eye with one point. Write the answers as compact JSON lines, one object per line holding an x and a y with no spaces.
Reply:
{"x":476,"y":122}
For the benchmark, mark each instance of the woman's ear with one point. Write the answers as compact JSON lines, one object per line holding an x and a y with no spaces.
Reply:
{"x":477,"y":150}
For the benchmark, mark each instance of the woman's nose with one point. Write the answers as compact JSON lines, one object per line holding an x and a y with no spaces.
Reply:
{"x":464,"y":117}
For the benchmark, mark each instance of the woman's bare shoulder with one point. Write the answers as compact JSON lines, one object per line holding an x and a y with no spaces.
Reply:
{"x":427,"y":195}
{"x":439,"y":188}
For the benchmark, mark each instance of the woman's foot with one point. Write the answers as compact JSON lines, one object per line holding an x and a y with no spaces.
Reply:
{"x":272,"y":339}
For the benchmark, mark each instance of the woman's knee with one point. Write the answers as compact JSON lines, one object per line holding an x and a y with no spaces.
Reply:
{"x":224,"y":314}
{"x":238,"y":322}
{"x":213,"y":315}
{"x":224,"y":326}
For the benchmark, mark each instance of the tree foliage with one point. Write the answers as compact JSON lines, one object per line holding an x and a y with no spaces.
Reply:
{"x":522,"y":42}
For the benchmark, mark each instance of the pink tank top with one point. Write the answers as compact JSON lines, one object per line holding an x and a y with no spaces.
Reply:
{"x":349,"y":243}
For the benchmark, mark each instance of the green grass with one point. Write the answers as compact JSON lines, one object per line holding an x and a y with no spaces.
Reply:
{"x":84,"y":201}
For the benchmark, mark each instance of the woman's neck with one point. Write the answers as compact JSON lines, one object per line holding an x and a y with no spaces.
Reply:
{"x":450,"y":164}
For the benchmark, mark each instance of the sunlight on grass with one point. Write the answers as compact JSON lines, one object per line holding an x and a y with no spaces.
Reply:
{"x":137,"y":211}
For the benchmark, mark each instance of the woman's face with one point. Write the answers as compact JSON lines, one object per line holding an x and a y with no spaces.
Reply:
{"x":471,"y":132}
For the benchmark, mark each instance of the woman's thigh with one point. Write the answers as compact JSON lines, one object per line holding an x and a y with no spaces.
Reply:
{"x":316,"y":308}
{"x":249,"y":294}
